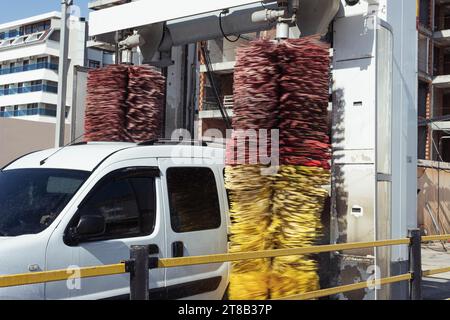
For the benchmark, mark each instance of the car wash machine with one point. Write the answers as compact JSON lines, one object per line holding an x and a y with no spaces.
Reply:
{"x":372,"y":113}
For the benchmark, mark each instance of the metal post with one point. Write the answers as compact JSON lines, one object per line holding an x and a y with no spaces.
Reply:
{"x":139,"y":275}
{"x":415,"y":264}
{"x":62,"y":74}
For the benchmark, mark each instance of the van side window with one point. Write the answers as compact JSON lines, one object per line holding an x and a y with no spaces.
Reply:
{"x":193,"y":199}
{"x":128,"y":205}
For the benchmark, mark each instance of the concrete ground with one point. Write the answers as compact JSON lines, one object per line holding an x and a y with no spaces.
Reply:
{"x":434,"y":256}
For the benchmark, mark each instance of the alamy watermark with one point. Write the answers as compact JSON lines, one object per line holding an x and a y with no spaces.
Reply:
{"x":244,"y":147}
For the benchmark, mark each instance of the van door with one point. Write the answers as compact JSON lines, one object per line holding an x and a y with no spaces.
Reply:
{"x":195,"y":211}
{"x":128,"y":199}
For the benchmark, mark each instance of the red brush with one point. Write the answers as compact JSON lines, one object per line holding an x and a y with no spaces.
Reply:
{"x":255,"y":95}
{"x":124,"y":103}
{"x":106,"y":104}
{"x":304,"y":86}
{"x":145,"y":104}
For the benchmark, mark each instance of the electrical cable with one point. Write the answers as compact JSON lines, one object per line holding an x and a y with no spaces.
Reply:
{"x":209,"y":70}
{"x":221,"y":28}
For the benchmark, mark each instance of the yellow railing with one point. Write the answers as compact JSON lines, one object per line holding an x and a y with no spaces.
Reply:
{"x":121,"y":268}
{"x":60,"y":275}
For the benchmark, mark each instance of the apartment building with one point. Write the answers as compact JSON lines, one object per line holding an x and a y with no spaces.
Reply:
{"x":434,"y":80}
{"x":29,"y":60}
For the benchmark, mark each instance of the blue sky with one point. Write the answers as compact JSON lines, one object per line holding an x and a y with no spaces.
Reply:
{"x":19,"y":9}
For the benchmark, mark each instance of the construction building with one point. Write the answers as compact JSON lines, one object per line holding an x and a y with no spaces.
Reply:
{"x":29,"y":59}
{"x":434,"y":80}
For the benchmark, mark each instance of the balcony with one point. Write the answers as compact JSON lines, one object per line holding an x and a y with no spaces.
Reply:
{"x":28,"y":112}
{"x":442,"y":38}
{"x":30,"y":67}
{"x":211,"y":109}
{"x":28,"y":89}
{"x":10,"y":34}
{"x":441,"y":82}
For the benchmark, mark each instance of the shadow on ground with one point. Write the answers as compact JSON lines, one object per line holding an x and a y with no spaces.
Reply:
{"x":435,"y":288}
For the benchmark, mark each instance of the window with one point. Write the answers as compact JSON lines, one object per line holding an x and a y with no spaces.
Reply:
{"x":94,"y":64}
{"x":424,"y":13}
{"x":127,"y":201}
{"x":41,"y":62}
{"x":193,"y":199}
{"x":32,"y":198}
{"x":36,"y":27}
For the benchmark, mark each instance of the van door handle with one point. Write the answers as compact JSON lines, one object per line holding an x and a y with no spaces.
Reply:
{"x":153,"y":249}
{"x":178,"y":249}
{"x":34,"y":268}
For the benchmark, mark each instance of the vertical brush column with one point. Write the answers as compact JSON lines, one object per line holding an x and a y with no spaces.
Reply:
{"x":145,"y":103}
{"x":106,"y":104}
{"x":255,"y":105}
{"x":124,"y":103}
{"x":299,"y":196}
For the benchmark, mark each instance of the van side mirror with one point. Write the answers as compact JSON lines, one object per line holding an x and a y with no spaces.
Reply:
{"x":90,"y":226}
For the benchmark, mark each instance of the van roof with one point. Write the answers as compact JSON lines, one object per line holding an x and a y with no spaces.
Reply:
{"x":88,"y":156}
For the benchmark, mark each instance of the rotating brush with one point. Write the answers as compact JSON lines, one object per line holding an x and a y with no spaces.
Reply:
{"x":298,"y":201}
{"x":255,"y":104}
{"x":106,"y":104}
{"x":250,"y":214}
{"x":145,"y":103}
{"x":124,"y":103}
{"x":285,"y":86}
{"x":299,"y":196}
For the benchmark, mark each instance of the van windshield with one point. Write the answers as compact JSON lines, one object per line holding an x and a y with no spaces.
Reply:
{"x":31,"y":199}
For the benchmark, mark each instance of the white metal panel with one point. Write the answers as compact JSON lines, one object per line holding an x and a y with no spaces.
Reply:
{"x":354,"y":83}
{"x":356,"y":190}
{"x":144,"y":12}
{"x":401,"y":15}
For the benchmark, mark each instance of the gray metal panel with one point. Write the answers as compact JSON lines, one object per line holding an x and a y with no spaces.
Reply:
{"x":354,"y":105}
{"x":354,"y":37}
{"x":354,"y":204}
{"x":78,"y":102}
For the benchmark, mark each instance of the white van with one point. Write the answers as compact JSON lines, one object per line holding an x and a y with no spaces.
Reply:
{"x":87,"y":204}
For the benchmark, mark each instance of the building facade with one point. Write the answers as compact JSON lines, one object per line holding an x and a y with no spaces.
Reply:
{"x":434,"y":80}
{"x":29,"y":60}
